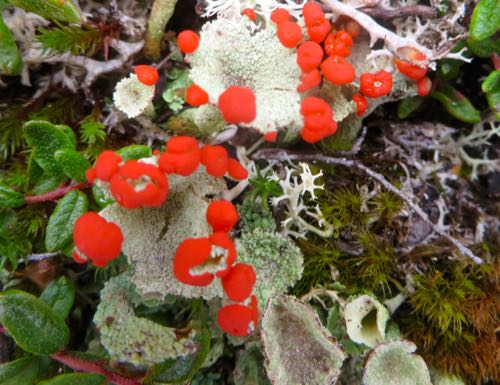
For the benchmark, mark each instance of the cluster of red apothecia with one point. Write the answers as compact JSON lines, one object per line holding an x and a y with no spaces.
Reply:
{"x":322,"y":56}
{"x":198,"y":261}
{"x":135,"y":184}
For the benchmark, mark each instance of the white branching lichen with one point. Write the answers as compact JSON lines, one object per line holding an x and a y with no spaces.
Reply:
{"x":299,"y":214}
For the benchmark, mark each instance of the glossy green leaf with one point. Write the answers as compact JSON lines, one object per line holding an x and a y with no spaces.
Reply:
{"x":456,"y":104}
{"x":46,"y":183}
{"x":10,"y":197}
{"x":76,"y":379}
{"x":61,"y":222}
{"x":60,"y":295}
{"x":134,"y":152}
{"x":485,"y":19}
{"x":69,"y":133}
{"x":493,"y":98}
{"x":409,"y":105}
{"x":46,"y":139}
{"x":101,"y":197}
{"x":10,"y":58}
{"x":482,"y":48}
{"x":24,"y":371}
{"x":60,"y":10}
{"x":492,"y":82}
{"x":181,"y":369}
{"x":73,"y":163}
{"x":32,"y":323}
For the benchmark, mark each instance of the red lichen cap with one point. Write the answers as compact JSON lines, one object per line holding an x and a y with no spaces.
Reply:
{"x":222,"y":240}
{"x":375,"y":85}
{"x":196,"y":96}
{"x":147,"y":75}
{"x":318,"y":33}
{"x":280,"y":15}
{"x":139,"y":184}
{"x":271,"y":136}
{"x":239,"y":281}
{"x":424,"y":86}
{"x":222,"y":215}
{"x":309,"y":56}
{"x":182,"y":156}
{"x":237,"y":105}
{"x":411,"y":71}
{"x":317,"y":113}
{"x":107,"y":165}
{"x":215,"y":159}
{"x":309,"y":80}
{"x":361,"y":103}
{"x":313,"y":14}
{"x":91,"y":174}
{"x":236,"y":319}
{"x":337,"y":70}
{"x":188,"y":41}
{"x":338,"y":43}
{"x":236,"y":170}
{"x":96,"y":239}
{"x":250,"y":13}
{"x":313,"y":135}
{"x":192,"y":252}
{"x":289,"y":34}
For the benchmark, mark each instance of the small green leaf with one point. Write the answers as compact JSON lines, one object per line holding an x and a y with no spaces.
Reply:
{"x":491,"y":82}
{"x":134,"y":152}
{"x":60,"y":295}
{"x":181,"y":369}
{"x":409,"y":105}
{"x":73,"y":163}
{"x":457,"y":104}
{"x":60,"y":10}
{"x":485,"y":19}
{"x":69,"y":133}
{"x":76,"y":379}
{"x":493,"y":98}
{"x":10,"y":197}
{"x":46,"y":139}
{"x":101,"y":197}
{"x":10,"y":59}
{"x":482,"y":48}
{"x":61,"y":222}
{"x":24,"y":371}
{"x":46,"y":183}
{"x":32,"y":323}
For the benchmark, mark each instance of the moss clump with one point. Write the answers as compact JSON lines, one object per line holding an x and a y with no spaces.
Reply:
{"x":454,"y":321}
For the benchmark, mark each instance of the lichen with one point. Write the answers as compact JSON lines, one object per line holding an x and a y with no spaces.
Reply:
{"x":366,"y":319}
{"x":393,"y":363}
{"x":153,"y":234}
{"x":298,"y":349}
{"x":231,"y":54}
{"x":132,"y":97}
{"x":132,"y":339}
{"x":278,"y":263}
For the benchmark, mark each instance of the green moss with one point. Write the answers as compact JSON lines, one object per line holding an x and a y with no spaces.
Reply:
{"x":440,"y":300}
{"x":344,"y":208}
